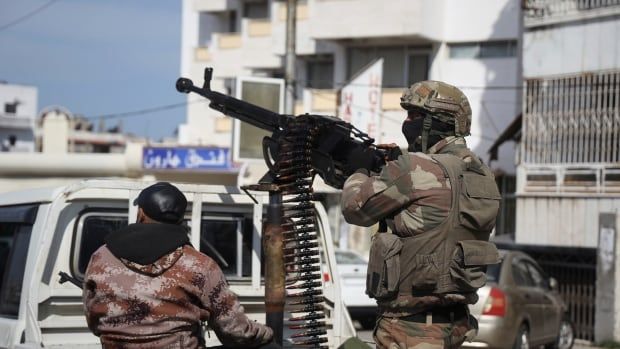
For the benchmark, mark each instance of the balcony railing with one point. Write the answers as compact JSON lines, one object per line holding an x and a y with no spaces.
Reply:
{"x":259,"y":27}
{"x":544,"y":12}
{"x":229,"y":40}
{"x":16,"y":122}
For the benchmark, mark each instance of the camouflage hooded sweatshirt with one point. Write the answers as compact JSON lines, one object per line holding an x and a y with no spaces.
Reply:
{"x":414,"y":195}
{"x":148,"y":288}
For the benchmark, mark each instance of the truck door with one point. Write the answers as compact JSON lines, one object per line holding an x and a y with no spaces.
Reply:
{"x":15,"y":229}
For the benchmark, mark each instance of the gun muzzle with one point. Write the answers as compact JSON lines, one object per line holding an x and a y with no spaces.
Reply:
{"x":184,"y":85}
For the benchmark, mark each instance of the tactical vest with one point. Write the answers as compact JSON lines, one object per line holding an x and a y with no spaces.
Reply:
{"x":450,"y":258}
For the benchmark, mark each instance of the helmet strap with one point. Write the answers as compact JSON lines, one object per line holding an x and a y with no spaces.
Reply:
{"x":426,"y":127}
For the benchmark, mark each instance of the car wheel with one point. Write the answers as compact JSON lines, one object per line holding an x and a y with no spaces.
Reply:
{"x":566,"y":335}
{"x":368,"y":322}
{"x":523,"y":338}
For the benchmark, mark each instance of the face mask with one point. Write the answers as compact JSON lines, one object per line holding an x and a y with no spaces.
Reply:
{"x":412,"y":130}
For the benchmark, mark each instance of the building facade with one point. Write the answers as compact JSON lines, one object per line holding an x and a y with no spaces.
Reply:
{"x":568,"y":176}
{"x":472,"y":45}
{"x":18,"y":113}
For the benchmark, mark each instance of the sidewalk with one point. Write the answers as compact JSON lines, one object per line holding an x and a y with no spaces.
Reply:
{"x":581,"y":344}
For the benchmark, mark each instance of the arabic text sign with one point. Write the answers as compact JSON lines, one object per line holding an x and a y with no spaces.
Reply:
{"x":199,"y":158}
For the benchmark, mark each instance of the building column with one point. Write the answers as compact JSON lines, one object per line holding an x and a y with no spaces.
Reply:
{"x":606,"y":325}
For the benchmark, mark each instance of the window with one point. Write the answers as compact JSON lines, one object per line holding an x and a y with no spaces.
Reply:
{"x":520,"y":274}
{"x":488,"y":49}
{"x":343,"y":257}
{"x":256,"y":9}
{"x":493,"y":272}
{"x":94,"y":227}
{"x":402,"y":65}
{"x":320,"y":73}
{"x":538,"y":276}
{"x":267,"y":93}
{"x":91,"y":229}
{"x":10,"y":108}
{"x":228,"y":241}
{"x":418,"y":68}
{"x":15,"y":228}
{"x":232,"y":22}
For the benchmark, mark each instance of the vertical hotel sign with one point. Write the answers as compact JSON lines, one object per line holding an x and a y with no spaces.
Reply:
{"x":360,"y":99}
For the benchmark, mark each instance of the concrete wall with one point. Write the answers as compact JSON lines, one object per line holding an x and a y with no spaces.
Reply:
{"x":562,"y":221}
{"x":572,"y":47}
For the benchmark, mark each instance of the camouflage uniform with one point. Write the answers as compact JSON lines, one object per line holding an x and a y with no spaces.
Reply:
{"x":161,"y":305}
{"x":416,"y":194}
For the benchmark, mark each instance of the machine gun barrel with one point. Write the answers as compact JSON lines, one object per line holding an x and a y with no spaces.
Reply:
{"x":316,"y":144}
{"x":236,"y":108}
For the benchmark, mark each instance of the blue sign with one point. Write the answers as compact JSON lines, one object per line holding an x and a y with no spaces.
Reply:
{"x":188,"y":158}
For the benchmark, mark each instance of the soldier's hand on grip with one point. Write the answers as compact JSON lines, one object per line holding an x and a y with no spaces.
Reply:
{"x":360,"y":158}
{"x":392,"y":151}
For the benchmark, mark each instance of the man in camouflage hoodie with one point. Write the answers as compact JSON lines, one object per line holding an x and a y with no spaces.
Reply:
{"x":149,"y":288}
{"x":414,"y":196}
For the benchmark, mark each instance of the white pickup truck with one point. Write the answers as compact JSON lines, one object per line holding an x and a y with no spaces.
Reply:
{"x":47,"y":231}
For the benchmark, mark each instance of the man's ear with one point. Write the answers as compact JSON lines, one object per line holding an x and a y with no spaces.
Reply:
{"x":141,"y":216}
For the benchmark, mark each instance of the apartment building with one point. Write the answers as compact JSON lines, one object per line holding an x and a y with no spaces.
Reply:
{"x":17,"y":117}
{"x":473,"y":45}
{"x":568,"y":176}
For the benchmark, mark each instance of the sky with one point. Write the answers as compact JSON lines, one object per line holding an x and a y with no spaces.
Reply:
{"x":98,"y":57}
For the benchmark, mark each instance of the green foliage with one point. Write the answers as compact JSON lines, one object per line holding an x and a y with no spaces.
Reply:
{"x":609,"y":345}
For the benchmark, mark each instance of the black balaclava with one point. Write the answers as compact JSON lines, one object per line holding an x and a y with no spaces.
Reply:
{"x":413,"y":128}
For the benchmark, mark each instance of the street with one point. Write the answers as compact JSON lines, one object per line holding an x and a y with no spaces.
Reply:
{"x":366,"y":336}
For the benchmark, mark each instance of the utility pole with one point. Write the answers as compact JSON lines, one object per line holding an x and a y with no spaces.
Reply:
{"x":289,"y":75}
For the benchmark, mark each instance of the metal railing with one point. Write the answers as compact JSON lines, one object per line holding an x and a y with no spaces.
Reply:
{"x":539,"y":9}
{"x":571,"y":178}
{"x":572,"y":119}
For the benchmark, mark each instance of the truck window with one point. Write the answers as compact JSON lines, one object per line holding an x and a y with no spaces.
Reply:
{"x":228,"y":241}
{"x":15,"y":229}
{"x":92,"y":229}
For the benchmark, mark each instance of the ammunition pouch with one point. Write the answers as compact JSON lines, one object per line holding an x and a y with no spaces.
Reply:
{"x":478,"y":202}
{"x":469,"y":264}
{"x":383,"y":266}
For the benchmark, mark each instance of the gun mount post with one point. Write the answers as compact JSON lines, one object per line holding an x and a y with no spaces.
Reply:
{"x":273,"y":246}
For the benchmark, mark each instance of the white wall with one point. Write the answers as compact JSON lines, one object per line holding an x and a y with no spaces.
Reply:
{"x":477,"y":20}
{"x":493,"y":109}
{"x":562,"y":221}
{"x":572,"y":47}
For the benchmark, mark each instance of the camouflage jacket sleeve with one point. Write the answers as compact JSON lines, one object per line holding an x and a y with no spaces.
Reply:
{"x":91,"y":310}
{"x":226,"y":315}
{"x":367,"y":199}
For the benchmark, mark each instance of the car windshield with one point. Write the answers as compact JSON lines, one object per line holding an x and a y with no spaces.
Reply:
{"x":343,"y":257}
{"x":493,"y":272}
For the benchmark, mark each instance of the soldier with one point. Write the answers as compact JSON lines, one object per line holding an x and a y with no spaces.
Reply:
{"x":440,"y":202}
{"x":147,"y":287}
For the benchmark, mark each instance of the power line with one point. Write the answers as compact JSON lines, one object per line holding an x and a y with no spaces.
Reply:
{"x":27,"y":15}
{"x":145,"y":111}
{"x":343,"y":84}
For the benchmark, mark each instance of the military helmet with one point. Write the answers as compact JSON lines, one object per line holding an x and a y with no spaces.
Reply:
{"x":441,"y":101}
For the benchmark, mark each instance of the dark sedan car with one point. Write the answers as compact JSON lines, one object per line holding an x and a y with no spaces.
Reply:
{"x":520,"y":307}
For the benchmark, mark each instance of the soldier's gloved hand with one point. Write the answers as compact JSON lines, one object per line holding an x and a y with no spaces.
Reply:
{"x":360,"y":158}
{"x":392,"y":151}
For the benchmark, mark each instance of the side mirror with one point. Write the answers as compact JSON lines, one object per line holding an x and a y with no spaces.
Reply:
{"x":553,"y":284}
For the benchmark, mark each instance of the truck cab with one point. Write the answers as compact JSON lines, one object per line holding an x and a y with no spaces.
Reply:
{"x":47,"y":231}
